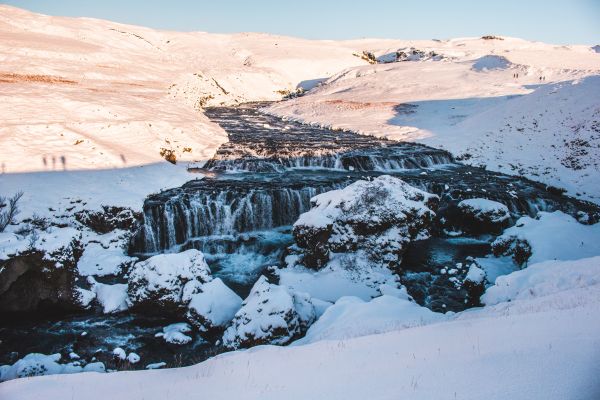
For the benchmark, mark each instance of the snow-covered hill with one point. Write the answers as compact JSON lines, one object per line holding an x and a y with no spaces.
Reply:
{"x":100,"y":100}
{"x":515,"y":106}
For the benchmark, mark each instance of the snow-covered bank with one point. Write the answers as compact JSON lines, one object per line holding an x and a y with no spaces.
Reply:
{"x":515,"y":106}
{"x":544,"y":347}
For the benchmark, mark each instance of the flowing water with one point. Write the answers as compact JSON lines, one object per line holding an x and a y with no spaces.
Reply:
{"x":240,"y":211}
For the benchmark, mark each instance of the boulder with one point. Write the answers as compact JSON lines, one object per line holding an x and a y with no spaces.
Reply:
{"x":165,"y":283}
{"x":43,"y":276}
{"x":378,"y":218}
{"x":479,"y":215}
{"x":270,"y":315}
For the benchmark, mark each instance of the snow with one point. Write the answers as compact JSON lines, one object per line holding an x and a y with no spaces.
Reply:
{"x":98,"y":260}
{"x":112,"y":298}
{"x":216,"y":304}
{"x":556,"y":236}
{"x":484,"y":209}
{"x":544,"y":279}
{"x":352,"y":317}
{"x":156,"y":365}
{"x":176,"y":333}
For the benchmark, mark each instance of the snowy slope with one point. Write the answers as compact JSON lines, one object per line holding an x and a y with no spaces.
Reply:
{"x":536,"y":346}
{"x":471,"y":103}
{"x":100,"y":100}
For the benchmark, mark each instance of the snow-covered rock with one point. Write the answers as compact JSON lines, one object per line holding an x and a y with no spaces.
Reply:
{"x":133,"y":358}
{"x":474,"y":283}
{"x":176,"y":333}
{"x":352,"y":317}
{"x":166,"y":282}
{"x":551,"y":236}
{"x":42,"y":272}
{"x":36,"y":364}
{"x":213,"y":307}
{"x":119,"y":353}
{"x":270,"y":315}
{"x":378,"y":217}
{"x":544,"y":279}
{"x":481,"y":216}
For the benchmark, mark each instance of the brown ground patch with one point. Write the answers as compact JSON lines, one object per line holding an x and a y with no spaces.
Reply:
{"x":16,"y":78}
{"x":358,"y":105}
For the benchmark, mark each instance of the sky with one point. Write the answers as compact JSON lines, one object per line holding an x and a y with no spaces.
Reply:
{"x":552,"y":21}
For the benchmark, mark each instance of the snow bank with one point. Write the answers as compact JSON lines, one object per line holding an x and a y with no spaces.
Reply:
{"x":552,"y":236}
{"x":544,"y":279}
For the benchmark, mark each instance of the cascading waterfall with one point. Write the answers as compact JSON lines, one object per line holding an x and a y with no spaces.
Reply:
{"x":170,"y":222}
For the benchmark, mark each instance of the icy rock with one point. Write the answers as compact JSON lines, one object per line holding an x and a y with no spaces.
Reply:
{"x":270,"y":315}
{"x":176,"y":333}
{"x":213,"y":307}
{"x":379,"y":217}
{"x":166,"y":282}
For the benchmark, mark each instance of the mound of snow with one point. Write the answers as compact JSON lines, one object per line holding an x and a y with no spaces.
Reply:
{"x":269,"y":315}
{"x":544,"y":279}
{"x":352,"y":317}
{"x":491,"y":62}
{"x":167,"y":281}
{"x":214,"y":306}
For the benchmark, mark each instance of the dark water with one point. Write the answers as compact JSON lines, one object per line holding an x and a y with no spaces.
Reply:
{"x":240,"y":216}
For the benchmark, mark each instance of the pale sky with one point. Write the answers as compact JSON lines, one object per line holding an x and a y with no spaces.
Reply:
{"x":553,"y":21}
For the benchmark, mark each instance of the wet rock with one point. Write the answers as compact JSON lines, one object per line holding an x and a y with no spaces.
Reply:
{"x":377,"y":217}
{"x":165,"y":283}
{"x":270,"y":315}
